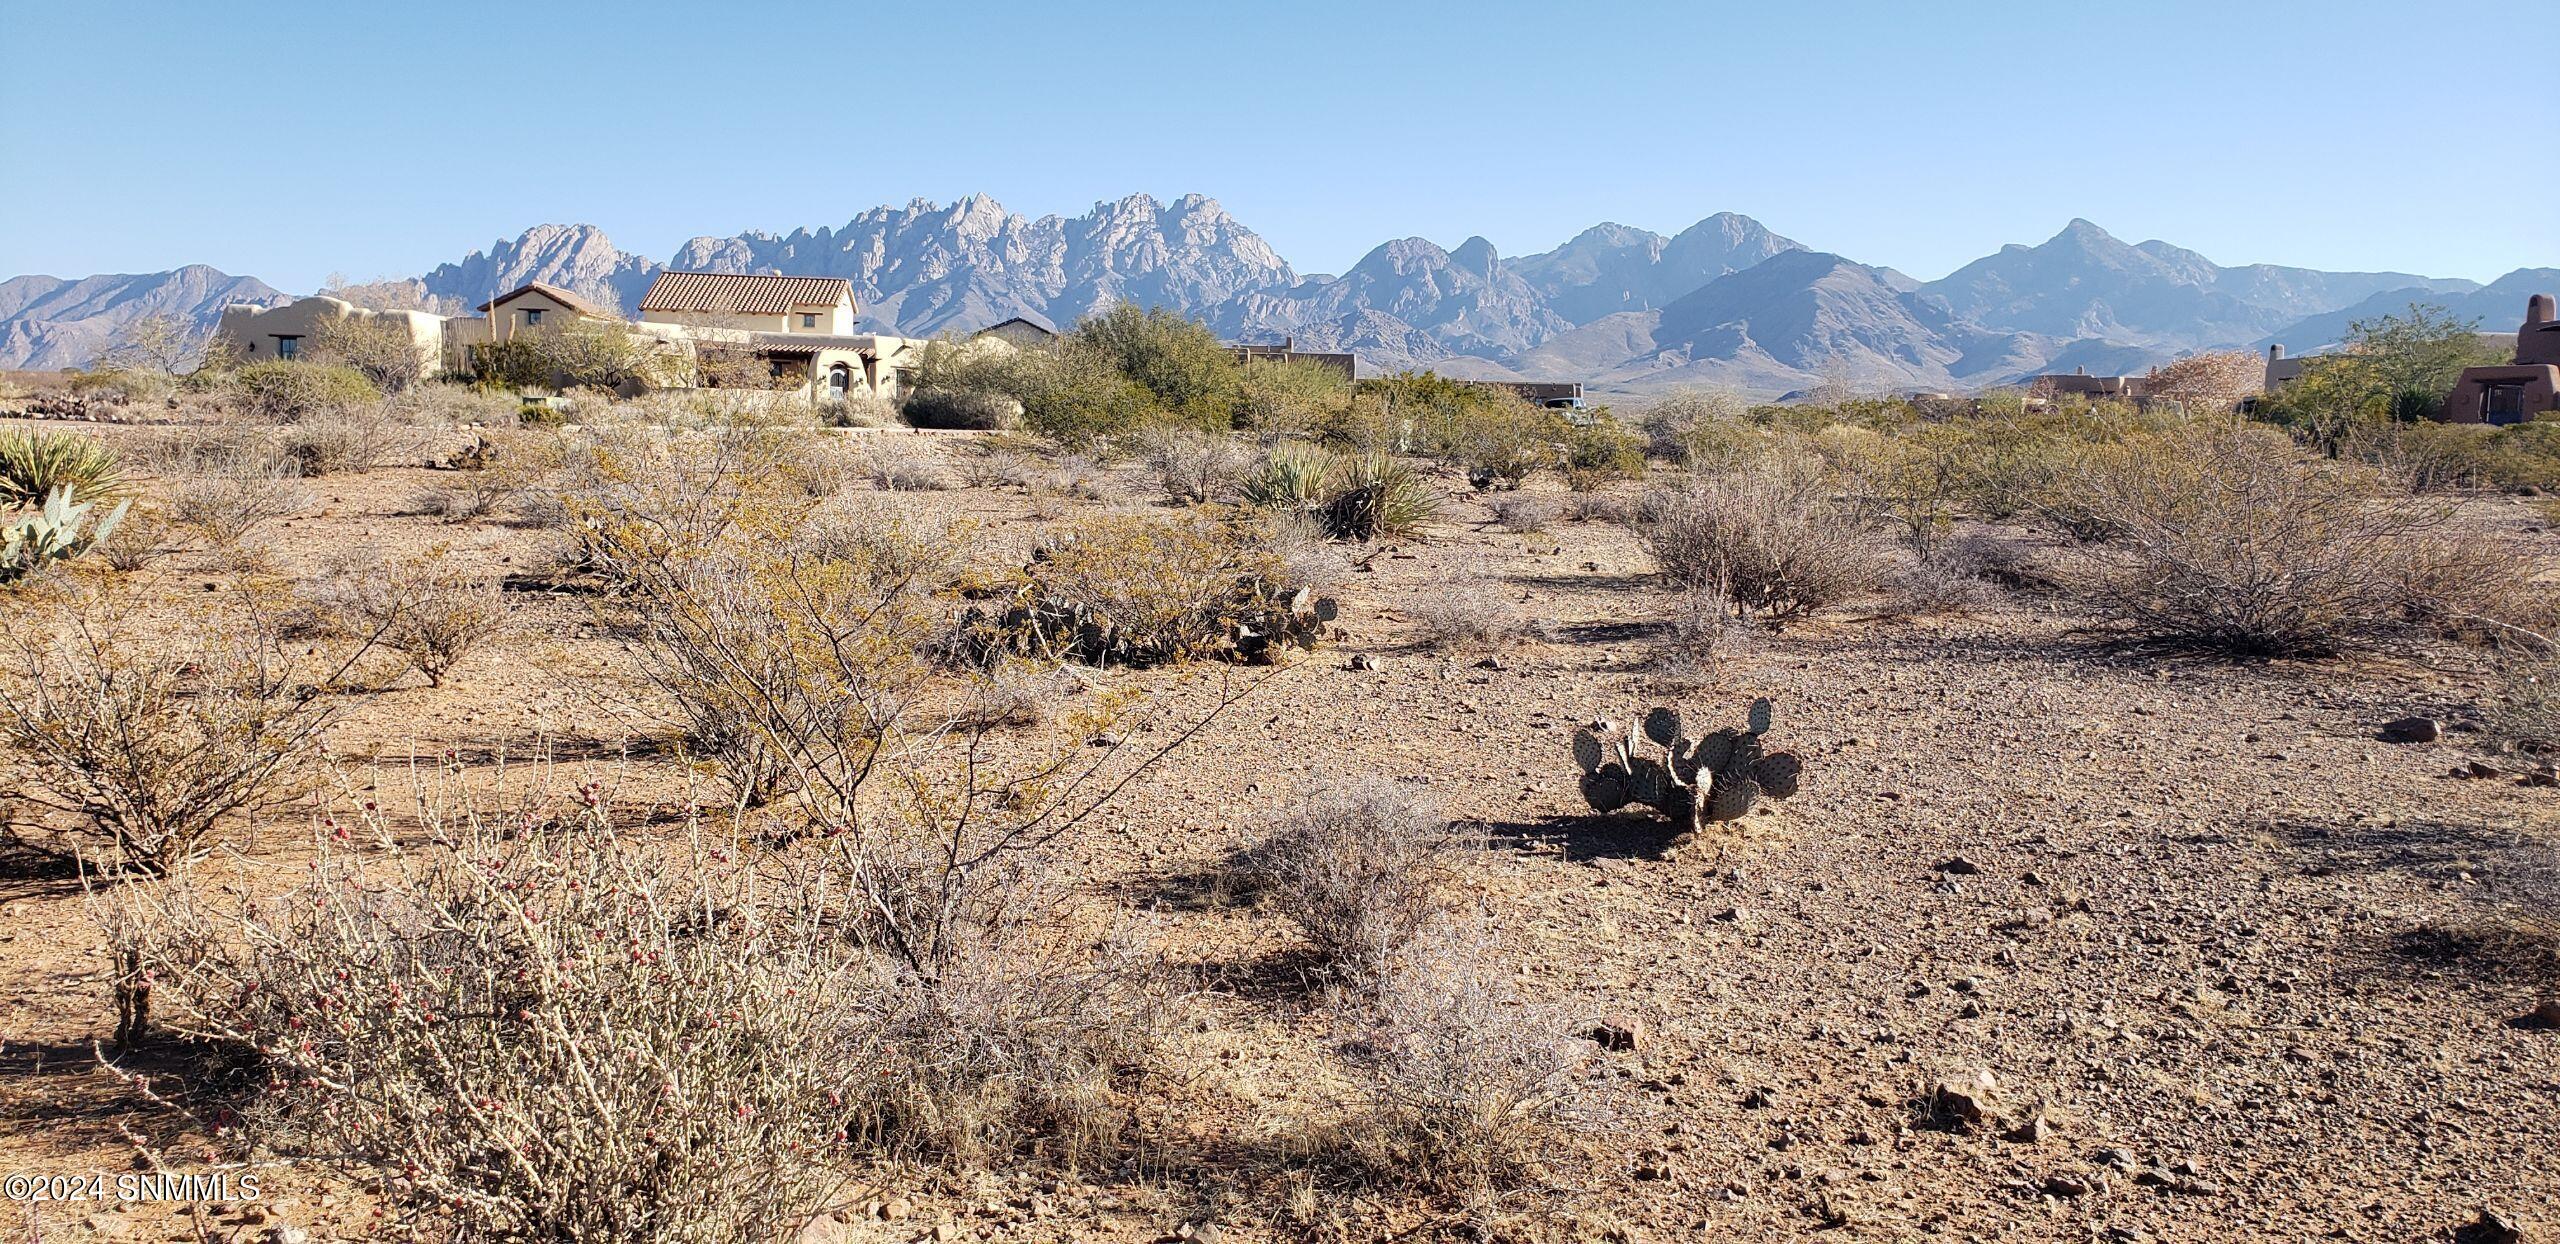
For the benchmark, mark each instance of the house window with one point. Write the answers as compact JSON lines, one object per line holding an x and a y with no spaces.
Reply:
{"x":532,"y":317}
{"x":288,"y":347}
{"x":808,"y":321}
{"x":2502,"y":402}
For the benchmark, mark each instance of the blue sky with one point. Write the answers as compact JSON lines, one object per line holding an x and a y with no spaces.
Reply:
{"x":288,"y":140}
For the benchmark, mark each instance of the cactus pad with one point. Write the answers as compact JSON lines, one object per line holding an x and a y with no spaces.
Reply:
{"x":1587,"y":751}
{"x":1761,"y":714}
{"x":1662,"y":725}
{"x":1778,"y":774}
{"x":1694,"y":781}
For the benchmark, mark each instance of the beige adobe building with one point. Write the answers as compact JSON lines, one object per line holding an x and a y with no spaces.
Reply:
{"x":267,"y":334}
{"x":1020,"y":332}
{"x":2526,"y":389}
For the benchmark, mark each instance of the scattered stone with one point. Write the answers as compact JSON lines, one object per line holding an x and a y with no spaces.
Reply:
{"x":1960,"y":867}
{"x":1617,"y":1032}
{"x":2491,"y":1227}
{"x":2121,"y":1159}
{"x":2412,"y":730}
{"x":2067,"y":1186}
{"x":897,"y":1209}
{"x":1966,"y":1102}
{"x":2038,"y":1129}
{"x":284,"y":1233}
{"x":2545,"y":1016}
{"x":1364,"y":662}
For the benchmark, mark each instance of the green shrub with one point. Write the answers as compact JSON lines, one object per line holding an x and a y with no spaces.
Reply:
{"x":293,"y":391}
{"x":34,"y":464}
{"x":1378,"y":495}
{"x":1600,"y":452}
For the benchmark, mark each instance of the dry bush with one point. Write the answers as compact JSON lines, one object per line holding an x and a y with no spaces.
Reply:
{"x":1946,"y":583}
{"x":2231,"y":540}
{"x":901,"y":464}
{"x":1358,"y":866}
{"x":424,"y":608}
{"x":1018,"y":694}
{"x":454,"y":405}
{"x":1468,"y":1083}
{"x":143,"y":738}
{"x":1195,"y":466}
{"x":499,"y":469}
{"x":1526,"y":512}
{"x":229,"y":497}
{"x":1115,"y":590}
{"x":141,"y":539}
{"x":1695,"y":424}
{"x":353,"y":441}
{"x":860,"y":410}
{"x":1074,"y":475}
{"x":1470,"y":610}
{"x":684,"y":1068}
{"x":1699,"y":629}
{"x":1766,"y":542}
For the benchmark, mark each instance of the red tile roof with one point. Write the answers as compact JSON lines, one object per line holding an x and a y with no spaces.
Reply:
{"x":735,"y":293}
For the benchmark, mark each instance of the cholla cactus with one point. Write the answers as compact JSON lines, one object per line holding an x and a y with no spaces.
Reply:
{"x":1697,"y":780}
{"x":53,"y":534}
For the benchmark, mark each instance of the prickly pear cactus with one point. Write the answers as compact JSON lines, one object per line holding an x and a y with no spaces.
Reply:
{"x":1696,"y":780}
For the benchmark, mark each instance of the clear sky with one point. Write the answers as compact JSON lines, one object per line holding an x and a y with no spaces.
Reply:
{"x":287,"y":139}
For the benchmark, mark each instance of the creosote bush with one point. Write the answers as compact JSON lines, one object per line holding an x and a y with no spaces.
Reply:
{"x":1470,"y":610}
{"x":288,"y":392}
{"x":1358,"y":866}
{"x":230,"y":496}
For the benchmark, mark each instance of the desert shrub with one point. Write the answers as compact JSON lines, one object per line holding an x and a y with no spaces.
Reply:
{"x":226,"y":498}
{"x":145,"y":739}
{"x":2229,"y":539}
{"x":1499,"y":440}
{"x":1377,"y":495}
{"x":1467,"y":1084}
{"x":291,"y":391}
{"x":1948,"y":583}
{"x":141,"y":539}
{"x":1358,"y":866}
{"x":1598,"y":452}
{"x":1914,"y":480}
{"x":426,"y":609}
{"x":1698,"y":629}
{"x":1144,"y":591}
{"x":1764,"y":542}
{"x":123,"y":386}
{"x":901,"y":464}
{"x":962,"y":409}
{"x":379,"y":348}
{"x":34,"y":464}
{"x":528,"y":470}
{"x":435,"y":404}
{"x":1526,"y":512}
{"x":1182,"y":367}
{"x":1469,"y":610}
{"x":1292,"y":475}
{"x":414,"y":1018}
{"x":1295,"y":398}
{"x":353,"y":442}
{"x":1695,"y":425}
{"x":1192,"y":465}
{"x":859,"y":410}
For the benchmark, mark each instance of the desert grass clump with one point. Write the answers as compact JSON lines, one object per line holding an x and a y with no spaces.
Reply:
{"x":139,"y":741}
{"x":1470,"y":610}
{"x":1765,"y":541}
{"x":1467,"y":1084}
{"x":34,"y":465}
{"x":425,"y":608}
{"x":2232,"y":540}
{"x":1358,"y":866}
{"x":1526,"y":512}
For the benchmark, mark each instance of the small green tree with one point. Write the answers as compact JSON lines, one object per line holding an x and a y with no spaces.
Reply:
{"x":1177,"y":360}
{"x":379,"y":346}
{"x":2415,"y":358}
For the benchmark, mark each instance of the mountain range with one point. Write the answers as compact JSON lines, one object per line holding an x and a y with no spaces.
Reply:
{"x":1725,"y":301}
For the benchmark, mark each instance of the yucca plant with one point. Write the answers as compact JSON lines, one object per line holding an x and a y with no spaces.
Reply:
{"x":1378,"y":495}
{"x":1293,"y":476}
{"x":35,"y":464}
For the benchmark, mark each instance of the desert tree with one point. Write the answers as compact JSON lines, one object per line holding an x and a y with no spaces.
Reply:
{"x":2209,"y":382}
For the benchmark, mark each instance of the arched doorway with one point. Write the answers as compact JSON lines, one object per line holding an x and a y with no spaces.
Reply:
{"x":839,"y":381}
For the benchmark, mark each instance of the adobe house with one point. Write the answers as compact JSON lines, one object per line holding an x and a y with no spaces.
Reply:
{"x":798,"y":328}
{"x":1019,"y":332}
{"x":2524,"y":390}
{"x":1288,"y":352}
{"x":257,"y":334}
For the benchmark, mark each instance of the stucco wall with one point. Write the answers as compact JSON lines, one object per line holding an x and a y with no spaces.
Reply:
{"x":253,"y":333}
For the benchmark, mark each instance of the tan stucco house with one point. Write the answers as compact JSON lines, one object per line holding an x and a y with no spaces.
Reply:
{"x":799,"y":328}
{"x":2527,"y":388}
{"x":266,"y":334}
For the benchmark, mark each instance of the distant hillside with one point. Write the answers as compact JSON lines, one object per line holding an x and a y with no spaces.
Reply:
{"x":1724,"y":301}
{"x":48,"y":323}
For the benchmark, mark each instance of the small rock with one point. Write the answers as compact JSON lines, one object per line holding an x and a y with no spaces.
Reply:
{"x":2121,"y":1159}
{"x":284,"y":1233}
{"x":2491,"y":1227}
{"x":2067,"y":1186}
{"x":1960,"y":867}
{"x":1966,"y":1101}
{"x":2413,"y":730}
{"x":1363,"y":661}
{"x":2545,"y":1016}
{"x":2036,"y":1130}
{"x":1617,"y":1032}
{"x":1490,"y":663}
{"x":897,"y":1209}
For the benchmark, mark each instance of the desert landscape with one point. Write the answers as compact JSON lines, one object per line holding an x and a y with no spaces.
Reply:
{"x":1193,"y":829}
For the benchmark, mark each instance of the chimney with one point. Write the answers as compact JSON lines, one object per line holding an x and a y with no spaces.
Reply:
{"x":2537,"y":309}
{"x":2275,"y":352}
{"x":2079,"y":371}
